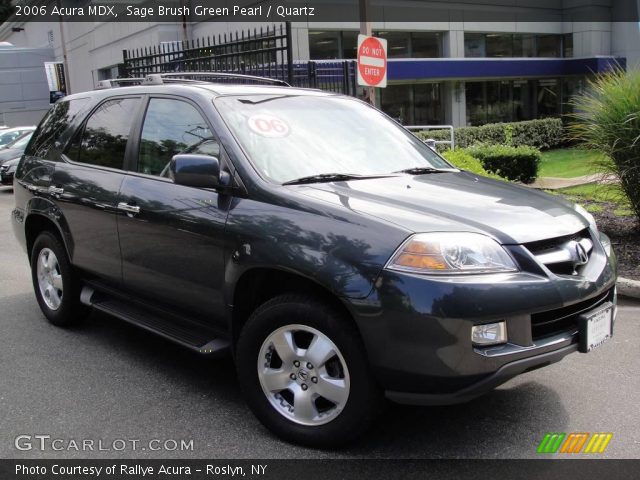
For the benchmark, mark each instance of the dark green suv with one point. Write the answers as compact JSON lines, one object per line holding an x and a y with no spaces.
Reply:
{"x":334,"y":254}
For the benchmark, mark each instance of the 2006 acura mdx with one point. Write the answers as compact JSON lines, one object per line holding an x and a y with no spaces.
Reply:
{"x":338,"y":257}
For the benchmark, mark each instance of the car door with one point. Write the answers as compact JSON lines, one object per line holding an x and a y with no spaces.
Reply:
{"x":171,"y":236}
{"x":85,"y":186}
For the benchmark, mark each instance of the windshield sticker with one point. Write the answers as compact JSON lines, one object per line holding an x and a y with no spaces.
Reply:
{"x":268,"y":126}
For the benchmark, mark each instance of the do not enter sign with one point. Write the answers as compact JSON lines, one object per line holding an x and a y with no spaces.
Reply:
{"x":372,"y":61}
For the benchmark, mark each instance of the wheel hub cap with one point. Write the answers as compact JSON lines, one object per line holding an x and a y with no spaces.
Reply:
{"x":303,"y":375}
{"x":49,"y":278}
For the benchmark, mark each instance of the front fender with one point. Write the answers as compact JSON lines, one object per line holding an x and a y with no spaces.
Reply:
{"x":344,"y":254}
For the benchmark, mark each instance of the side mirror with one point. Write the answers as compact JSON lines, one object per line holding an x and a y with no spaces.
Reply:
{"x":201,"y":171}
{"x":431,"y":143}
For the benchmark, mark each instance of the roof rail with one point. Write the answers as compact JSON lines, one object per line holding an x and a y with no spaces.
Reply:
{"x":118,"y":82}
{"x":176,"y":77}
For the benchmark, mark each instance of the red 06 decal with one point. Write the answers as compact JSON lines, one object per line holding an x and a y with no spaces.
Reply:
{"x":268,"y":126}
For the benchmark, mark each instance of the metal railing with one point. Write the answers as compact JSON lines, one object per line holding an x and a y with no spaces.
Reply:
{"x":264,"y":52}
{"x":451,"y":142}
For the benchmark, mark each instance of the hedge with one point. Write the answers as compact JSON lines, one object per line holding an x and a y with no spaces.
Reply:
{"x":542,"y":134}
{"x":513,"y":163}
{"x":463,"y":160}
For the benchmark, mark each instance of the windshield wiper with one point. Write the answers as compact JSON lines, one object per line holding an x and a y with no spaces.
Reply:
{"x":329,"y":177}
{"x":420,"y":170}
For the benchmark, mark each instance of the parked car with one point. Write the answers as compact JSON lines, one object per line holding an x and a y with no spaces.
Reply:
{"x":10,"y":135}
{"x":336,"y":256}
{"x":8,"y":170}
{"x":15,"y":149}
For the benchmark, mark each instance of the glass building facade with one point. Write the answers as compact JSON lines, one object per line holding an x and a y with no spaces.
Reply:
{"x":333,"y":45}
{"x":517,"y":100}
{"x":425,"y":99}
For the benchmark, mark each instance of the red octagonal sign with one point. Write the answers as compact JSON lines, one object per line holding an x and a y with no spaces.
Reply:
{"x":372,"y":61}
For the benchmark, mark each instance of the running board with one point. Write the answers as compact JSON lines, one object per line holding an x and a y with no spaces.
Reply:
{"x":182,"y":331}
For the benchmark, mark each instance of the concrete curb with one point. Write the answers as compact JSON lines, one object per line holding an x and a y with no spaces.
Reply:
{"x":628,"y":287}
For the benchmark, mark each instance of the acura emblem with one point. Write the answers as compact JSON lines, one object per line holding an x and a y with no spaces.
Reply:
{"x":581,"y":254}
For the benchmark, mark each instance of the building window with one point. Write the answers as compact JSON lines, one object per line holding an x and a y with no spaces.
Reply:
{"x":548,"y":45}
{"x":499,"y":45}
{"x":331,"y":45}
{"x":324,"y":45}
{"x":397,"y":44}
{"x":571,"y":87}
{"x":415,"y":104}
{"x":567,"y":45}
{"x":548,"y":98}
{"x":517,"y":100}
{"x":474,"y":45}
{"x":426,"y":45}
{"x":480,"y":45}
{"x":349,"y":44}
{"x":522,"y":100}
{"x":396,"y":101}
{"x":498,"y":101}
{"x":524,"y":46}
{"x":476,"y":101}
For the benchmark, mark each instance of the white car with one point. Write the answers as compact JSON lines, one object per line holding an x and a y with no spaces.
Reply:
{"x":11,"y":134}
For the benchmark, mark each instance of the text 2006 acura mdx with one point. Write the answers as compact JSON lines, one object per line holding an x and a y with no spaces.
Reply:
{"x":338,"y":257}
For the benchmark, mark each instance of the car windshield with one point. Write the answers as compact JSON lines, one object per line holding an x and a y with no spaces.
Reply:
{"x":21,"y":142}
{"x":8,"y":137}
{"x":290,"y":137}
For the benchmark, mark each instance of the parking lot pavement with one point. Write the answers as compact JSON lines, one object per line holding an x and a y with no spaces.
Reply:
{"x":106,"y":380}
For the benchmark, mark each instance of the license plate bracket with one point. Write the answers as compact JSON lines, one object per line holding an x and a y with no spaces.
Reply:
{"x":595,"y":327}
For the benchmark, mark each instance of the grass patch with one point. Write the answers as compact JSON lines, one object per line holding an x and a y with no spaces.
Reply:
{"x":570,"y":162}
{"x":594,"y":208}
{"x":598,"y":197}
{"x":596,"y":192}
{"x":623,"y":212}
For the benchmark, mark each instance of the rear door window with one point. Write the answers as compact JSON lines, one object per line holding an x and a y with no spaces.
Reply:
{"x":103,"y":141}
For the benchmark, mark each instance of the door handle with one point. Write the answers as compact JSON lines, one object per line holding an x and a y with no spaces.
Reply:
{"x":56,"y":190}
{"x":125,"y":207}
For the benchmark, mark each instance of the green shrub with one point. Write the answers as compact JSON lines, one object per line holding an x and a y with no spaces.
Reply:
{"x":607,"y":119}
{"x":513,"y":163}
{"x":542,"y":134}
{"x":464,"y":161}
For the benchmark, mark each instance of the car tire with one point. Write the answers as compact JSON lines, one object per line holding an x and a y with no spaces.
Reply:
{"x":315,"y":332}
{"x":55,"y":283}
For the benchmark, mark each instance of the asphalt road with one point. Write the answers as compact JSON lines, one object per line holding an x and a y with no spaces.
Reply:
{"x":108,"y":380}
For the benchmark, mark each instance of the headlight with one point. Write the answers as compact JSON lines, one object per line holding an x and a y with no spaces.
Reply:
{"x":606,"y":243}
{"x":451,"y":253}
{"x":587,"y":216}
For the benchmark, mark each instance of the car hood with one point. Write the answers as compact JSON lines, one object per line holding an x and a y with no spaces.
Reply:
{"x":456,"y":201}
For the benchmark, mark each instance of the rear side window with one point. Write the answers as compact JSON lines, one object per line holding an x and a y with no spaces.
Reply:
{"x":172,"y":127}
{"x":53,"y":125}
{"x":104,"y":139}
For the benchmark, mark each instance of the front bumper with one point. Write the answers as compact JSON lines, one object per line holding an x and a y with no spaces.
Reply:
{"x":417,"y":329}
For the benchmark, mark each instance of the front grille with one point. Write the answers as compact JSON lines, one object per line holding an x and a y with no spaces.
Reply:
{"x":561,"y":254}
{"x":564,"y":319}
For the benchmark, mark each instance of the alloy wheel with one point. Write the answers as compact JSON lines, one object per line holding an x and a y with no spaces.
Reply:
{"x":304,"y":375}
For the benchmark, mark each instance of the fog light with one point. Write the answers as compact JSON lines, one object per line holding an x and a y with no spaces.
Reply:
{"x":489,"y":334}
